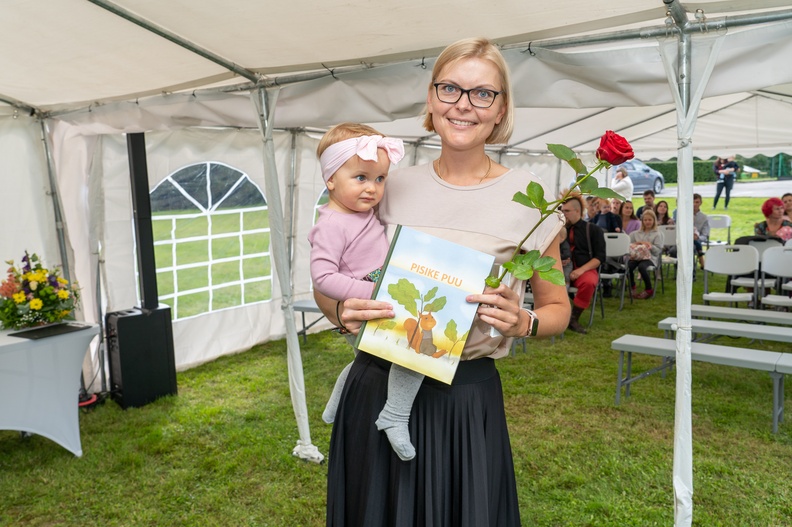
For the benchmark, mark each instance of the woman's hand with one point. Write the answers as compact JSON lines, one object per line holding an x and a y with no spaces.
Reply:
{"x":352,"y":312}
{"x":501,"y":309}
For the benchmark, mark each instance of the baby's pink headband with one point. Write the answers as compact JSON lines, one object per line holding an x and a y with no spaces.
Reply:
{"x":366,"y":149}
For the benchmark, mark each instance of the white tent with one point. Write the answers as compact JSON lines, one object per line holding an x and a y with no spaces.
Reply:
{"x":207,"y":80}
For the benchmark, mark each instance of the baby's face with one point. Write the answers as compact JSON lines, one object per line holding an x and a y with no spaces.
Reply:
{"x":605,"y":207}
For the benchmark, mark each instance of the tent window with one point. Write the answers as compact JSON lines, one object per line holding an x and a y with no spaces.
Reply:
{"x":211,"y":240}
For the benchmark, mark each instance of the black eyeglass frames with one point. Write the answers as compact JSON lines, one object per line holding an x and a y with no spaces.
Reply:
{"x":478,"y":97}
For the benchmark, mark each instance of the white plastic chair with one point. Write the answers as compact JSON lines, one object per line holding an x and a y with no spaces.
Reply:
{"x":669,"y":242}
{"x":617,"y":247}
{"x":731,"y":260}
{"x":719,"y":221}
{"x":777,"y":267}
{"x":761,"y":246}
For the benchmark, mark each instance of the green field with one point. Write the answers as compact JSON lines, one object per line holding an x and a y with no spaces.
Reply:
{"x":201,"y":255}
{"x":219,"y":453}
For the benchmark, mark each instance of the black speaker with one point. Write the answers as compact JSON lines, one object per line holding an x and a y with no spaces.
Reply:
{"x":140,"y":351}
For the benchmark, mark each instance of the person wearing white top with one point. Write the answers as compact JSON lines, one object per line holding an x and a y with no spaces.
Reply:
{"x":622,"y":184}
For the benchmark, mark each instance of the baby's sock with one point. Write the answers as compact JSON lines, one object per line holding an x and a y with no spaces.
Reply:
{"x":395,"y":426}
{"x":328,"y":416}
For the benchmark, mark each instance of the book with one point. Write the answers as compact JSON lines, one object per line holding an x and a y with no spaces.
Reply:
{"x":426,"y":279}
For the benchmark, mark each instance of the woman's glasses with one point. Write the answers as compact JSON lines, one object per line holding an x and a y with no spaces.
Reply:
{"x":478,"y":97}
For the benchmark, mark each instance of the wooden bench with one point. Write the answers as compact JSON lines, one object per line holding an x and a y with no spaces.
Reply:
{"x":769,"y":361}
{"x":731,"y":329}
{"x":739,"y":313}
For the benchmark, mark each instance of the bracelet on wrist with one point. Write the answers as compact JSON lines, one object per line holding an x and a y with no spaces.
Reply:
{"x":341,"y":327}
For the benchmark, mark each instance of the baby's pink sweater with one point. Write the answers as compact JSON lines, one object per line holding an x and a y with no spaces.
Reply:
{"x":344,"y":249}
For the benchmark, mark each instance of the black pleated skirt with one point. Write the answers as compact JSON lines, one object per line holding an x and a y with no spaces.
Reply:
{"x":462,"y":474}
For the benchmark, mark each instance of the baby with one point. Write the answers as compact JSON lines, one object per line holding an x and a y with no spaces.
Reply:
{"x":348,"y":247}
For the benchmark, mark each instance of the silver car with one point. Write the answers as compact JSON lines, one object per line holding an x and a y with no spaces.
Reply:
{"x":643,"y":177}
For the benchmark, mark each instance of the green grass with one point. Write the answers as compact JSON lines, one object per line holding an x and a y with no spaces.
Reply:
{"x":219,"y":453}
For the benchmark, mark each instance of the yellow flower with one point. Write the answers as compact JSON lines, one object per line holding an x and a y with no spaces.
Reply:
{"x":33,"y":285}
{"x":19,"y":297}
{"x":62,"y":281}
{"x":36,"y":304}
{"x":64,"y":313}
{"x":63,"y":294}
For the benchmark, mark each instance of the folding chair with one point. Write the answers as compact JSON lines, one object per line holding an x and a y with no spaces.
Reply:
{"x":719,"y":221}
{"x":777,"y":267}
{"x":617,"y":247}
{"x":731,"y":260}
{"x":669,"y":242}
{"x":761,"y":246}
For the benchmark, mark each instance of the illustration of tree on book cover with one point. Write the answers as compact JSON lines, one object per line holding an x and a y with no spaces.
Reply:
{"x":426,"y":279}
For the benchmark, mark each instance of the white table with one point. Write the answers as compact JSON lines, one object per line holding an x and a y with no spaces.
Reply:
{"x":40,"y":382}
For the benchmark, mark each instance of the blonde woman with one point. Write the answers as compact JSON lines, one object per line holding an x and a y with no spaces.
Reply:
{"x":645,"y":247}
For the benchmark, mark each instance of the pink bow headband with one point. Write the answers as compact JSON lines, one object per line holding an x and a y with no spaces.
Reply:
{"x":365,"y":147}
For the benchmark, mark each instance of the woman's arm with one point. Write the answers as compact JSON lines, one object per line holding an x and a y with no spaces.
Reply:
{"x":501,"y":308}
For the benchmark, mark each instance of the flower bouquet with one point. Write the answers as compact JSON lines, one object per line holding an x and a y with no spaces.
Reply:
{"x":33,"y":295}
{"x":613,"y":150}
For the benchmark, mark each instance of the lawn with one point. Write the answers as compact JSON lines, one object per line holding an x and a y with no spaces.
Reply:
{"x":219,"y":453}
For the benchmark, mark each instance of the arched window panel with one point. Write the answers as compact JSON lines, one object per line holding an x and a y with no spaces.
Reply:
{"x":211,"y":240}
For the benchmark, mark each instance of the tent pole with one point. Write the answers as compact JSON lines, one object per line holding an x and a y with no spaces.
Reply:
{"x":264,"y":102}
{"x":56,"y":204}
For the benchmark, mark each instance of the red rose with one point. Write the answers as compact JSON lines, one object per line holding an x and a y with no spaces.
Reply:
{"x":614,"y":149}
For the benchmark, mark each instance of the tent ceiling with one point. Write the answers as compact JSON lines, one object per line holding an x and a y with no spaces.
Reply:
{"x":74,"y":52}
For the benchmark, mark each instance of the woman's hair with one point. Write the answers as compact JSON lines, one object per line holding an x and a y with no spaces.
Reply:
{"x":666,"y":216}
{"x":767,"y":206}
{"x":651,"y":214}
{"x":621,"y":170}
{"x":341,"y":132}
{"x":477,"y":48}
{"x":632,"y":215}
{"x":787,"y":194}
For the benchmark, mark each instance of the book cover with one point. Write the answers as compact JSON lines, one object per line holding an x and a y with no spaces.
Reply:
{"x":426,"y":279}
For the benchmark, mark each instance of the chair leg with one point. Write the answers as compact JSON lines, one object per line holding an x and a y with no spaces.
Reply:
{"x":593,"y":307}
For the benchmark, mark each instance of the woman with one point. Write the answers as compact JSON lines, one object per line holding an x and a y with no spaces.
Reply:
{"x":725,"y":171}
{"x":774,"y":224}
{"x":622,"y":184}
{"x":787,"y":199}
{"x":661,"y":211}
{"x":650,"y":238}
{"x":629,"y":220}
{"x":462,"y":474}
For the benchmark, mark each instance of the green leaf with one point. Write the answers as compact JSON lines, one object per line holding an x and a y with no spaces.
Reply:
{"x":578,"y":166}
{"x":451,"y":330}
{"x":406,"y":294}
{"x":522,"y":265}
{"x":605,"y":192}
{"x":545,"y":263}
{"x":438,"y":304}
{"x":554,"y":276}
{"x":588,"y":185}
{"x":430,"y":295}
{"x":493,"y":282}
{"x":562,"y":152}
{"x":536,"y":194}
{"x":524,"y":199}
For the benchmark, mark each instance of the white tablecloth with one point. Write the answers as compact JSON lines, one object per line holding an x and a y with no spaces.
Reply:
{"x":40,"y":382}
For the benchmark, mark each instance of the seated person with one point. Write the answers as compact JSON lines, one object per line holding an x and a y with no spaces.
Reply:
{"x":648,"y":197}
{"x":587,"y":249}
{"x":629,"y":220}
{"x":774,"y":224}
{"x":649,"y":237}
{"x":661,"y":211}
{"x":701,"y":229}
{"x":787,"y":199}
{"x":605,"y":219}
